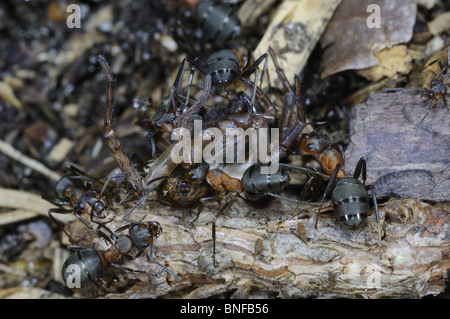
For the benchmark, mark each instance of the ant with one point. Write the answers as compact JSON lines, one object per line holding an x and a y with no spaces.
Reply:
{"x":221,"y":69}
{"x":94,"y":264}
{"x":291,"y":123}
{"x":350,"y":197}
{"x":318,"y":144}
{"x":437,"y":87}
{"x":218,"y":21}
{"x":252,"y":186}
{"x":85,"y":198}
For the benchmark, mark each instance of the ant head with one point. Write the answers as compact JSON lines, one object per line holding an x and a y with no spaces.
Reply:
{"x":315,"y":143}
{"x":438,"y":88}
{"x":142,"y":234}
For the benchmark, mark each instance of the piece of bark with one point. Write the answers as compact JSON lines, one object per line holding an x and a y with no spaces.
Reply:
{"x":293,"y":32}
{"x":276,"y":251}
{"x":250,"y":11}
{"x":400,"y":162}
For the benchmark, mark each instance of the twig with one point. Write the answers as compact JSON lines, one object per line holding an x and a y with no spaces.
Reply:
{"x":10,"y":151}
{"x":16,"y":215}
{"x":26,"y":204}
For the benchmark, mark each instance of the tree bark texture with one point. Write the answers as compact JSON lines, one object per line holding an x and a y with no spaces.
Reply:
{"x":400,"y":162}
{"x":276,"y":252}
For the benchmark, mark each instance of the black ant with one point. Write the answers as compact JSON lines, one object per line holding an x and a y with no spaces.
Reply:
{"x":221,"y":69}
{"x":437,"y":89}
{"x":252,"y":186}
{"x":81,"y":192}
{"x":94,"y":264}
{"x":350,"y":197}
{"x":218,"y":21}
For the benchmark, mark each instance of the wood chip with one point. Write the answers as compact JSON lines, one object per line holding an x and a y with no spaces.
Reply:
{"x":392,"y":62}
{"x":10,"y":151}
{"x":250,"y":11}
{"x":27,"y":205}
{"x":59,"y":151}
{"x":7,"y":94}
{"x":440,"y":23}
{"x":293,"y":32}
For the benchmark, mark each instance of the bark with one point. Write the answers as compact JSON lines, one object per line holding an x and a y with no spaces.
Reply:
{"x":400,"y":162}
{"x":276,"y":252}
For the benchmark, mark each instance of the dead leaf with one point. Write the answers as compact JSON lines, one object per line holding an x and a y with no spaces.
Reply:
{"x":391,"y":61}
{"x":350,"y":43}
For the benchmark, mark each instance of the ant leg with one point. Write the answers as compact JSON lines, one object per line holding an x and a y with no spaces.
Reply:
{"x":327,"y":189}
{"x":121,"y":229}
{"x":282,"y":197}
{"x":55,"y":202}
{"x":57,"y":222}
{"x":110,"y":136}
{"x":139,"y":203}
{"x":377,"y":216}
{"x":255,"y":65}
{"x":185,"y":117}
{"x":151,"y":258}
{"x":52,"y":211}
{"x":191,"y":76}
{"x":341,"y":153}
{"x":264,"y":71}
{"x":252,"y":110}
{"x":303,"y":195}
{"x":280,"y":73}
{"x":361,"y":166}
{"x":176,"y":86}
{"x":249,"y":70}
{"x":111,"y":239}
{"x":432,"y":106}
{"x":306,"y":188}
{"x":307,"y":170}
{"x":76,"y":247}
{"x":260,"y":96}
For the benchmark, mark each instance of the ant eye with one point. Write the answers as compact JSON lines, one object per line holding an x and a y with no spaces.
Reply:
{"x":310,"y":146}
